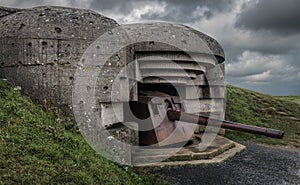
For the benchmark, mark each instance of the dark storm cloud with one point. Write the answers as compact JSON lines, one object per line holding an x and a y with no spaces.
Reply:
{"x":119,"y":7}
{"x":25,"y":4}
{"x":34,"y":3}
{"x":260,"y":38}
{"x":175,"y":10}
{"x":274,"y":15}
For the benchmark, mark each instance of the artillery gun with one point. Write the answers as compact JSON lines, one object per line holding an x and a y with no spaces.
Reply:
{"x":170,"y":124}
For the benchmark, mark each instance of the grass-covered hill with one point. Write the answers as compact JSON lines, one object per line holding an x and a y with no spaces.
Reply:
{"x":295,"y":99}
{"x":258,"y":109}
{"x":37,"y":147}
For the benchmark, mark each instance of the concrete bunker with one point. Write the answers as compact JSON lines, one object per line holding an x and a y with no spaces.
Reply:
{"x":41,"y":49}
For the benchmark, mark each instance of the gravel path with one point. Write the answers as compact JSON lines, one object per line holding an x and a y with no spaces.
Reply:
{"x":256,"y":165}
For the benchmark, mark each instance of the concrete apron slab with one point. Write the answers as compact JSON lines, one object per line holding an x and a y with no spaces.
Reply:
{"x":220,"y":150}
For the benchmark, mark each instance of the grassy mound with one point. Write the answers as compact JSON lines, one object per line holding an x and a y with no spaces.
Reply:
{"x":295,"y":99}
{"x":39,"y":148}
{"x":258,"y":109}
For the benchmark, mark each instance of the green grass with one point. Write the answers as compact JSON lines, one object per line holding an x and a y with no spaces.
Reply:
{"x":41,"y":148}
{"x":295,"y":99}
{"x":258,"y":109}
{"x":37,"y":147}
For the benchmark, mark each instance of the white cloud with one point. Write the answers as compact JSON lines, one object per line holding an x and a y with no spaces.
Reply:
{"x":267,"y":73}
{"x":256,"y":66}
{"x":149,"y":9}
{"x":139,"y":10}
{"x":252,"y":63}
{"x":200,"y":11}
{"x":262,"y":77}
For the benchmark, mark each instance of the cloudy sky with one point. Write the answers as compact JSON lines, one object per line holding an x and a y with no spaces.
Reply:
{"x":261,"y":38}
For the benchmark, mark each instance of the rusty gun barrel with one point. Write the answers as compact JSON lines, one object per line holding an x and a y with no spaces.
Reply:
{"x":201,"y":120}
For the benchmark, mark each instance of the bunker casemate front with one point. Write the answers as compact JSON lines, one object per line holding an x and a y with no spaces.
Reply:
{"x":42,"y":47}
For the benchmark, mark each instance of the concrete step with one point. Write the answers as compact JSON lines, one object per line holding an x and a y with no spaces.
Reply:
{"x":187,"y":155}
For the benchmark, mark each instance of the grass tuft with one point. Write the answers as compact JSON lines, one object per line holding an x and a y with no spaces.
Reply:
{"x":40,"y":148}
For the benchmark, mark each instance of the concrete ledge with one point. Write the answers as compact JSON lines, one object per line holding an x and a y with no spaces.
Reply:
{"x":220,"y":150}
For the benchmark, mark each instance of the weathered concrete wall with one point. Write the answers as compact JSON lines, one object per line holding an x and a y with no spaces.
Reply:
{"x":40,"y":49}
